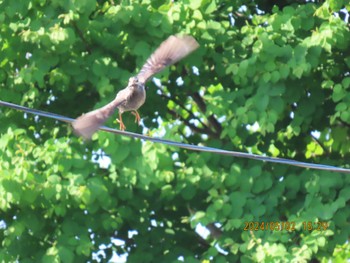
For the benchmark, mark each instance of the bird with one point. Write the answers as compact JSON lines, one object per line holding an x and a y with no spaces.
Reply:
{"x":131,"y":98}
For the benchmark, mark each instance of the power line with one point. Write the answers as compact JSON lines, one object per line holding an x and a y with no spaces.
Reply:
{"x":184,"y":145}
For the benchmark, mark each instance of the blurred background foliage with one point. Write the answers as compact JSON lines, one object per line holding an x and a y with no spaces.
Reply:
{"x":270,"y":77}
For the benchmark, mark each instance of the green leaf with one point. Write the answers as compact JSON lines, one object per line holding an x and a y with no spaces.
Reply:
{"x":262,"y":103}
{"x":197,"y":15}
{"x":66,"y":254}
{"x":195,"y":4}
{"x":336,"y":5}
{"x":341,"y":106}
{"x":141,"y":49}
{"x":323,"y":12}
{"x":211,"y":7}
{"x":345,"y":116}
{"x":199,"y":215}
{"x":85,"y":7}
{"x":338,"y":93}
{"x":156,"y":19}
{"x":188,"y":192}
{"x":214,"y":25}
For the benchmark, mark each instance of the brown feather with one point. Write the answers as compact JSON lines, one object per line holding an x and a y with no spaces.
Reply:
{"x":169,"y":52}
{"x":88,"y":123}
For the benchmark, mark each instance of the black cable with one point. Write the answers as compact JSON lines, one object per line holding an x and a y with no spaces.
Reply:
{"x":184,"y":145}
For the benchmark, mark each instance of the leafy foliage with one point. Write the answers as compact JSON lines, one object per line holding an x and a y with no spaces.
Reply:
{"x":275,"y":82}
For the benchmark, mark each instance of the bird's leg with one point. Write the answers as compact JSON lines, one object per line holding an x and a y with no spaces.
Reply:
{"x":137,"y":116}
{"x":121,"y":123}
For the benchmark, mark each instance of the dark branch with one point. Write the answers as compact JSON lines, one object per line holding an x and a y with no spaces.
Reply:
{"x":81,"y":35}
{"x":215,"y":232}
{"x":320,"y":144}
{"x":186,"y":121}
{"x":204,"y":130}
{"x":203,"y":107}
{"x":344,"y":124}
{"x":192,"y":116}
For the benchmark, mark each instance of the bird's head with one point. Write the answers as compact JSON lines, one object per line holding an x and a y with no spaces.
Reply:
{"x":133,"y":81}
{"x":135,"y":84}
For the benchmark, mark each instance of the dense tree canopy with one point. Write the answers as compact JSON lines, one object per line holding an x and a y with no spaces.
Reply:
{"x":267,"y":79}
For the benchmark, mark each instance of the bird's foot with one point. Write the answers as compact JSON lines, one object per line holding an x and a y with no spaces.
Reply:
{"x":121,"y":123}
{"x":137,"y":117}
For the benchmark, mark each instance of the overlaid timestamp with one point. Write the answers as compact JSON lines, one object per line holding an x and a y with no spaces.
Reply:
{"x":315,"y":225}
{"x":273,"y":226}
{"x":280,"y":226}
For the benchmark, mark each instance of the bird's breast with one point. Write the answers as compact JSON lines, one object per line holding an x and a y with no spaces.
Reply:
{"x":135,"y":99}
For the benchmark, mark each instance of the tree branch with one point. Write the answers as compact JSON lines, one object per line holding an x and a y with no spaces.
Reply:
{"x":320,"y":144}
{"x":344,"y":123}
{"x":203,"y":107}
{"x":183,"y":107}
{"x":81,"y":35}
{"x":186,"y":121}
{"x":215,"y":232}
{"x":205,"y":130}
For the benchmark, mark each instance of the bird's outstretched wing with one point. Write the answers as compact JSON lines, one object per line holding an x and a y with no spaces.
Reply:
{"x":169,"y":52}
{"x":87,"y":124}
